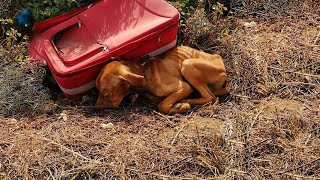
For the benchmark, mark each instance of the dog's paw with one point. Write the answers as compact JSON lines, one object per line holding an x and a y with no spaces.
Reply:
{"x":182,"y":106}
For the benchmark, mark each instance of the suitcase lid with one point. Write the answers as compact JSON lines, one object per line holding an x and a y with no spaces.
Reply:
{"x":74,"y":43}
{"x":111,"y":24}
{"x":115,"y":22}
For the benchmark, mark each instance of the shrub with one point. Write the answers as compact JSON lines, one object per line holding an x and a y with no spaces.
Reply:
{"x":199,"y":24}
{"x":21,"y":90}
{"x":42,"y":10}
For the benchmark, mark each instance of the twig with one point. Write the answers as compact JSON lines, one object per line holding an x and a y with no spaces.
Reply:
{"x":50,"y":173}
{"x":289,"y":174}
{"x":316,"y":40}
{"x":68,"y":150}
{"x":237,"y":171}
{"x":241,"y":89}
{"x":236,"y":142}
{"x":157,"y":174}
{"x":181,"y":160}
{"x":86,"y":167}
{"x":268,"y":139}
{"x":309,"y":45}
{"x":314,"y":129}
{"x":295,"y":72}
{"x":305,"y":143}
{"x":299,"y":83}
{"x":236,"y":136}
{"x":177,"y":134}
{"x":258,"y":114}
{"x":261,"y":160}
{"x":240,"y":96}
{"x":164,"y":116}
{"x":248,"y":159}
{"x":294,"y":168}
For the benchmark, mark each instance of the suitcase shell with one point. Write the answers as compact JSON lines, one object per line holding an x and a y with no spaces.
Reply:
{"x":76,"y":45}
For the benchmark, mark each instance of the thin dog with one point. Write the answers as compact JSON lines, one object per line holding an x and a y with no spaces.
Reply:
{"x":168,"y":80}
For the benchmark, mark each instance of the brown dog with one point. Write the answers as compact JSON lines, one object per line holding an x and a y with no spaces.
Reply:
{"x":168,"y":79}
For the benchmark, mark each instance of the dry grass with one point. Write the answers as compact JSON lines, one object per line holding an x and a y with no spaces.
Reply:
{"x":21,"y":88}
{"x":268,"y":128}
{"x":279,"y":58}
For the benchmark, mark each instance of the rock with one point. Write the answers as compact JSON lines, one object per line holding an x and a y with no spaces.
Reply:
{"x":107,"y":126}
{"x":63,"y":115}
{"x":49,"y":108}
{"x":12,"y":121}
{"x":250,"y":24}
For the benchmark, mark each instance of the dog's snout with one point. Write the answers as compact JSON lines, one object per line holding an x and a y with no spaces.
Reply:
{"x":102,"y":102}
{"x":103,"y":105}
{"x":100,"y":106}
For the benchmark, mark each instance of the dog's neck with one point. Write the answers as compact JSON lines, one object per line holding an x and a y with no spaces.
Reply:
{"x":134,"y":74}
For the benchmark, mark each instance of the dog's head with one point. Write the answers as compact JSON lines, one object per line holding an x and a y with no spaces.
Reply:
{"x":113,"y":84}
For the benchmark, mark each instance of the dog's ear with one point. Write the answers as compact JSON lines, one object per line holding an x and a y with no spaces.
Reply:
{"x":132,"y":79}
{"x":98,"y":81}
{"x":99,"y":77}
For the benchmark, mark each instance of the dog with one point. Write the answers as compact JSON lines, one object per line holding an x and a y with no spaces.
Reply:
{"x":168,"y":80}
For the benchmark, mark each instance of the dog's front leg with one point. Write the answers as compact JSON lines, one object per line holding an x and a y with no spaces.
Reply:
{"x":168,"y":105}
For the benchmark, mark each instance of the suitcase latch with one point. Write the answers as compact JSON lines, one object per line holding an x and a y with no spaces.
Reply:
{"x":44,"y":62}
{"x":79,"y":23}
{"x":159,"y":38}
{"x":77,"y":50}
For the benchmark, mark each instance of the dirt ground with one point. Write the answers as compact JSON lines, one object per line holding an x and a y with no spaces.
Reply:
{"x":267,"y":128}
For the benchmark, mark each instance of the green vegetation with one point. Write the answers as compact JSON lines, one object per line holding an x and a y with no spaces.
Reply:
{"x":42,"y":10}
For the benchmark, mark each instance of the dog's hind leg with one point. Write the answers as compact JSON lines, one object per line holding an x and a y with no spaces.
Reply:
{"x":200,"y":72}
{"x":168,"y":105}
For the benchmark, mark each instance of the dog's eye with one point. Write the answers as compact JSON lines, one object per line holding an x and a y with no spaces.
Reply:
{"x":106,"y":94}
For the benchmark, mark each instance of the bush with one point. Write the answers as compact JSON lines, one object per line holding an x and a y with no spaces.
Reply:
{"x":200,"y":25}
{"x":21,"y":90}
{"x":42,"y":10}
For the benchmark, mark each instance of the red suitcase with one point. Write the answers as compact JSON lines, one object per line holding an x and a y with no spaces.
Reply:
{"x":75,"y":46}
